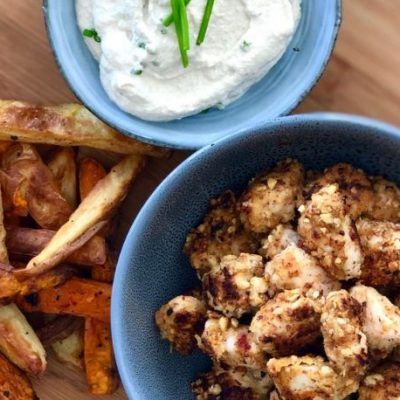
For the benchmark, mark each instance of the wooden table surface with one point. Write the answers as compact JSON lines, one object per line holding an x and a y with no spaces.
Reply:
{"x":363,"y":78}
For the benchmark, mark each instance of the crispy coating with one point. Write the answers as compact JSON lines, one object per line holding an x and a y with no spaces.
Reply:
{"x":280,"y":238}
{"x":293,"y":268}
{"x":353,"y":183}
{"x":180,"y":320}
{"x":344,"y":342}
{"x":380,"y":319}
{"x":328,"y":232}
{"x":220,"y":234}
{"x":386,"y":201}
{"x":237,"y":286}
{"x":232,"y":384}
{"x":383,"y":383}
{"x":307,"y":378}
{"x":286,"y":323}
{"x":381,"y":246}
{"x":232,"y":344}
{"x":271,"y":197}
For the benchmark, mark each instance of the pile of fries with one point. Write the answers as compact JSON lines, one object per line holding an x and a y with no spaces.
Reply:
{"x":56,"y":226}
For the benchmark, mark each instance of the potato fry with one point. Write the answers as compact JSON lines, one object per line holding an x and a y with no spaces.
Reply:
{"x":100,"y":368}
{"x":90,"y":172}
{"x":23,"y":243}
{"x":63,"y":167}
{"x":10,"y":286}
{"x":70,"y":349}
{"x":95,"y":208}
{"x":35,"y":185}
{"x":19,"y":343}
{"x":66,"y":125}
{"x":79,"y":297}
{"x":58,"y":329}
{"x":3,"y":248}
{"x":14,"y":384}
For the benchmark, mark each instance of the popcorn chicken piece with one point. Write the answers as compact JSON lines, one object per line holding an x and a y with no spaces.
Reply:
{"x":180,"y":320}
{"x":293,"y":268}
{"x":385,"y":205}
{"x":383,"y":383}
{"x":237,"y":286}
{"x":380,"y":242}
{"x":280,"y":238}
{"x":220,"y":234}
{"x":380,"y":320}
{"x":344,"y":342}
{"x":227,"y":342}
{"x":353,"y":184}
{"x":232,"y":384}
{"x":286,"y":323}
{"x":328,"y":232}
{"x":307,"y":378}
{"x":271,"y":197}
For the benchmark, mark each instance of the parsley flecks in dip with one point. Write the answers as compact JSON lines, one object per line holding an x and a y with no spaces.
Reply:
{"x":244,"y":40}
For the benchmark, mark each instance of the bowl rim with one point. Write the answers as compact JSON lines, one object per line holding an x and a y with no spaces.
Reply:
{"x":123,"y":268}
{"x":187,"y":146}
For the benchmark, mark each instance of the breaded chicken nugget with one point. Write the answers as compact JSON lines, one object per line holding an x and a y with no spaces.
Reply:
{"x":383,"y":383}
{"x":180,"y":320}
{"x":380,"y":242}
{"x":287,"y":323}
{"x":293,"y":268}
{"x":344,"y":342}
{"x":237,"y":286}
{"x":327,"y":231}
{"x":220,"y":234}
{"x":271,"y":197}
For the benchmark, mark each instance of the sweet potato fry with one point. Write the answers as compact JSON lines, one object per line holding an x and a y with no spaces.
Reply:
{"x":63,"y":167}
{"x":19,"y":343}
{"x":79,"y":297}
{"x":90,"y":172}
{"x":94,"y":209}
{"x":35,"y":185}
{"x":70,"y":349}
{"x":58,"y":329}
{"x":105,"y":272}
{"x":10,"y":286}
{"x":66,"y":125}
{"x":14,"y":384}
{"x":23,"y":243}
{"x":100,"y":368}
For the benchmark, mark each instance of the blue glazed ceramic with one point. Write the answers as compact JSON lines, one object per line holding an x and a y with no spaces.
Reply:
{"x":277,"y":94}
{"x":152,"y":268}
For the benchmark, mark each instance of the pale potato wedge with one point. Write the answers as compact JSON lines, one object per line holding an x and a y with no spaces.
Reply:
{"x":94,"y":209}
{"x":70,"y":349}
{"x":66,"y":125}
{"x":63,"y":167}
{"x":19,"y":343}
{"x":14,"y":384}
{"x":24,"y":243}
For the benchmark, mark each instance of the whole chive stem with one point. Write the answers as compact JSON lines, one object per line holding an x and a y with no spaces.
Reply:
{"x":205,"y":21}
{"x":170,"y":19}
{"x":184,"y":25}
{"x":176,"y":12}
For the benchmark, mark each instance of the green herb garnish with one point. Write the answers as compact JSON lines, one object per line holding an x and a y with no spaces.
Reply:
{"x":245,"y":45}
{"x":170,"y":19}
{"x":142,"y":45}
{"x":138,"y":71}
{"x":181,"y":28}
{"x":205,"y":21}
{"x":92,"y":33}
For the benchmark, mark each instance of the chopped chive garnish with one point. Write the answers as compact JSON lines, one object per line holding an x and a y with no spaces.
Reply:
{"x":92,"y":33}
{"x":170,"y":19}
{"x":245,"y":45}
{"x":184,"y":25}
{"x":179,"y":13}
{"x":205,"y":21}
{"x":142,"y":45}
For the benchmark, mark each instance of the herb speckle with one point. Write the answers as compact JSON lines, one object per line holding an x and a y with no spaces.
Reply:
{"x":92,"y":33}
{"x":245,"y":46}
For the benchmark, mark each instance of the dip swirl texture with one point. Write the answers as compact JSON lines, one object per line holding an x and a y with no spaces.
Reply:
{"x":140,"y":65}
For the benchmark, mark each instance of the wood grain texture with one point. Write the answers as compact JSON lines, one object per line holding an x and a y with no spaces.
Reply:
{"x":362,"y":77}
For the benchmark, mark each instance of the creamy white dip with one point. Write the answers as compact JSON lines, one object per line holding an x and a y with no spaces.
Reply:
{"x":140,"y":64}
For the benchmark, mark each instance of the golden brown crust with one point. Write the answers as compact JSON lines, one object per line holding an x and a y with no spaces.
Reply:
{"x":66,"y":125}
{"x":271,"y":197}
{"x":220,"y":234}
{"x":287,"y":323}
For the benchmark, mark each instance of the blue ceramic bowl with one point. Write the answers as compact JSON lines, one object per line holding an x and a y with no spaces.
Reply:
{"x":152,"y":268}
{"x":277,"y":94}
